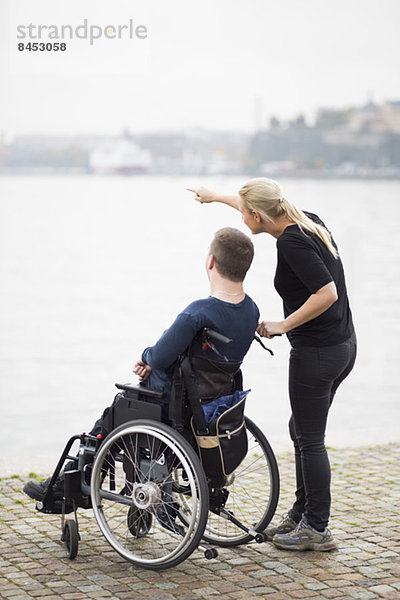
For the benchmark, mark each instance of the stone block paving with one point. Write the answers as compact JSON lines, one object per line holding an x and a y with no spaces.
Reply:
{"x":365,"y":521}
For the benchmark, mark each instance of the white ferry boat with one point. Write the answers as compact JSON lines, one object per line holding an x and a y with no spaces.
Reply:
{"x":120,"y":157}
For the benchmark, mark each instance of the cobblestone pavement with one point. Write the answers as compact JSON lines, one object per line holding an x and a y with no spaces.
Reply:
{"x":365,"y":521}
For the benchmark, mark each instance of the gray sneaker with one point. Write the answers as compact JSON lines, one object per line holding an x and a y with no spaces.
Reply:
{"x":285,"y":526}
{"x":305,"y":537}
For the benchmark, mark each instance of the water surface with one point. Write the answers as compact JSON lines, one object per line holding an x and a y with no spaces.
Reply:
{"x":93,"y":269}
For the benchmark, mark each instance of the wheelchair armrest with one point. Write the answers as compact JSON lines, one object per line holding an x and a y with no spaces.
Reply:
{"x":128,"y":387}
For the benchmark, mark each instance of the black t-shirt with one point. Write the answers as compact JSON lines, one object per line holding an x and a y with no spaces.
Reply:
{"x":304,"y":266}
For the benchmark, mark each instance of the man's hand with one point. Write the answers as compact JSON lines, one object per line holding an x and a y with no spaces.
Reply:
{"x":269,"y":329}
{"x":203,"y":194}
{"x":142,"y":370}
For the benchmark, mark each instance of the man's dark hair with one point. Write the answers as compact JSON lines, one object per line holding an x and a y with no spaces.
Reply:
{"x":233,"y":253}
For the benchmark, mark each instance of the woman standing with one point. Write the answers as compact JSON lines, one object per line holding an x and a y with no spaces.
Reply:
{"x":310,"y":279}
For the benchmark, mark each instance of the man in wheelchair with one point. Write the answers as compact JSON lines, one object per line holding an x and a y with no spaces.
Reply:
{"x":227,"y":311}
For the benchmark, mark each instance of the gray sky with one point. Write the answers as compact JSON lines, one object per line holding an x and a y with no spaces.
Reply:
{"x":209,"y":61}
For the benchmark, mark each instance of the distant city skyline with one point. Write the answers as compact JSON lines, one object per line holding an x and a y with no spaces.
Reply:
{"x":214,"y":65}
{"x":363,"y":141}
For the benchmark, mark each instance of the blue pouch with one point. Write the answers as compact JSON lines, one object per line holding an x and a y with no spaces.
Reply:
{"x":225,"y":445}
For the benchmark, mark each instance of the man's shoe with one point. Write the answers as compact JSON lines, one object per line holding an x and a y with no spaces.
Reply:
{"x":38,"y":489}
{"x":55,"y":505}
{"x":285,"y":526}
{"x":305,"y":537}
{"x":35,"y":489}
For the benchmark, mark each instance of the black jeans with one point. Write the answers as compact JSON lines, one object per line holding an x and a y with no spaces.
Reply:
{"x":314,"y":376}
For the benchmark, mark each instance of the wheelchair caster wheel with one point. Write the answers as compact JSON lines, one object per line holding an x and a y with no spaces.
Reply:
{"x":139,"y":522}
{"x":261,"y":538}
{"x":211,"y":553}
{"x":70,"y":537}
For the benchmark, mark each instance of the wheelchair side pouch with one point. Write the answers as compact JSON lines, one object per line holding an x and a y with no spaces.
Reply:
{"x":225,"y":445}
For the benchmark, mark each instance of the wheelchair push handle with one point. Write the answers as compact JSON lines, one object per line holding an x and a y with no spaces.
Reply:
{"x":218,"y":337}
{"x":209,"y":336}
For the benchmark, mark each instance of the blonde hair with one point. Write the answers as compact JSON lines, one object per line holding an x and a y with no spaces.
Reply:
{"x":266,"y":197}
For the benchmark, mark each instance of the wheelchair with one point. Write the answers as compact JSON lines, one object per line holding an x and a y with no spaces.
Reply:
{"x":151,"y":495}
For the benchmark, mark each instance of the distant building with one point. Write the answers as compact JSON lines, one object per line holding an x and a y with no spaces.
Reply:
{"x":391,"y":115}
{"x":350,"y":141}
{"x":370,"y":118}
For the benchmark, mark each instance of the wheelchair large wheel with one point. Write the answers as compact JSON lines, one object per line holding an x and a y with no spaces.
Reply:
{"x":253,"y":493}
{"x":134,"y":499}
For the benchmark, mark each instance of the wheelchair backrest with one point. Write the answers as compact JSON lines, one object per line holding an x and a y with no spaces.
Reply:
{"x":200,"y":379}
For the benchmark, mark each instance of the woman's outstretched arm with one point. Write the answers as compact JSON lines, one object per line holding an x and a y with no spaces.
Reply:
{"x":205,"y":195}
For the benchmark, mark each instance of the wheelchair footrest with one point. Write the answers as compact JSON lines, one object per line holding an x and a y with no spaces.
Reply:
{"x":55,"y":507}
